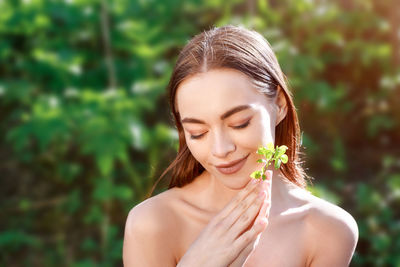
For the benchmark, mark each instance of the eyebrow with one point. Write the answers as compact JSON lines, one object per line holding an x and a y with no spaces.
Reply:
{"x":222,"y":117}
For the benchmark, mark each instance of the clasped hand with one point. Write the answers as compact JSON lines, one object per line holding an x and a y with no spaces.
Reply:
{"x":232,"y":235}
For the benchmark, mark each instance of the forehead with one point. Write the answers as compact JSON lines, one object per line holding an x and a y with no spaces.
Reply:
{"x":216,"y":91}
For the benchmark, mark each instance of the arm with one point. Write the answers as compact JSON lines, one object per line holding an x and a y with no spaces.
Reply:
{"x":145,"y":241}
{"x":333,"y":237}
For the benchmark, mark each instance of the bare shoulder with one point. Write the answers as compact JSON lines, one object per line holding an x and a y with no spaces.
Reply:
{"x":155,"y":213}
{"x":149,"y":232}
{"x":332,"y":233}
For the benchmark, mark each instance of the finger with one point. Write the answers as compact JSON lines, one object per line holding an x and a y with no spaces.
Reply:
{"x":245,"y":253}
{"x":248,"y":237}
{"x":266,"y":206}
{"x":264,"y":211}
{"x":241,"y":212}
{"x":248,"y":216}
{"x":237,"y":200}
{"x":261,"y":217}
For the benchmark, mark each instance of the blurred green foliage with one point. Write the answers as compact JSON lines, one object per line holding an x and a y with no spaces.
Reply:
{"x":85,"y":130}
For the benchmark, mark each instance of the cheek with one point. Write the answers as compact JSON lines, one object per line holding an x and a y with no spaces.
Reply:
{"x":267,"y":128}
{"x":198,"y":150}
{"x":261,"y":133}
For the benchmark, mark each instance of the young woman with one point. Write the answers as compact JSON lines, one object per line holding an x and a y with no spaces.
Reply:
{"x":228,"y":97}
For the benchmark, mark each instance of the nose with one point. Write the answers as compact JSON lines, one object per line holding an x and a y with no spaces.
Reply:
{"x":222,"y":145}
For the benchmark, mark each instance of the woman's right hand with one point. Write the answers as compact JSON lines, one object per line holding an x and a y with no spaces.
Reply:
{"x":230,"y":237}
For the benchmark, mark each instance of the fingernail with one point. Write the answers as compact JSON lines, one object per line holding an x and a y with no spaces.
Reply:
{"x":266,"y":183}
{"x":262,"y":194}
{"x":263,"y":221}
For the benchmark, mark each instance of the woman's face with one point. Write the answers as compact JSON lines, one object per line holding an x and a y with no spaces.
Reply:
{"x":225,"y":119}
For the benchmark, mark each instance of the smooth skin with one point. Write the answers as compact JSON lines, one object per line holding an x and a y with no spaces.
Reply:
{"x":227,"y":240}
{"x":226,"y":220}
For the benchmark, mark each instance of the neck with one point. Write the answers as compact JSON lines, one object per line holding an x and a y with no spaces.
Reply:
{"x":217,"y":195}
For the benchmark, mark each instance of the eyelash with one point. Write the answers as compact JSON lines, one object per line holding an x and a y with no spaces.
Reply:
{"x":244,"y":125}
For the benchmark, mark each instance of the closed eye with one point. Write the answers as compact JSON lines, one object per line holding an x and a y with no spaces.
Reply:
{"x":197,"y":136}
{"x":244,"y":125}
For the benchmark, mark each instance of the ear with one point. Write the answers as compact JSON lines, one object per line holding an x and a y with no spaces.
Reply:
{"x":281,"y":105}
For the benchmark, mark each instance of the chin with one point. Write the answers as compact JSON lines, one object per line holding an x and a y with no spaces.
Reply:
{"x":235,"y":182}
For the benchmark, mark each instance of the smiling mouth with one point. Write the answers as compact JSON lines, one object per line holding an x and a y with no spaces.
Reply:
{"x":232,"y":167}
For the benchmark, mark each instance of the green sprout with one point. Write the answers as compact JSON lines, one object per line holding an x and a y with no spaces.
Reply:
{"x":270,"y":154}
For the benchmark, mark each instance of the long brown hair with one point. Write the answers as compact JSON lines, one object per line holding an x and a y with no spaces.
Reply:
{"x":248,"y":52}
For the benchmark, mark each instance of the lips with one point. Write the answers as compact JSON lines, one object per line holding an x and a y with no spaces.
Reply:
{"x":232,"y":167}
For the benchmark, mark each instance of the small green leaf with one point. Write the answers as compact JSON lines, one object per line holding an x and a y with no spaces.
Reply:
{"x":269,"y":154}
{"x":256,"y":174}
{"x":261,"y":150}
{"x":280,"y":151}
{"x":277,"y":164}
{"x":284,"y":159}
{"x":270,"y":146}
